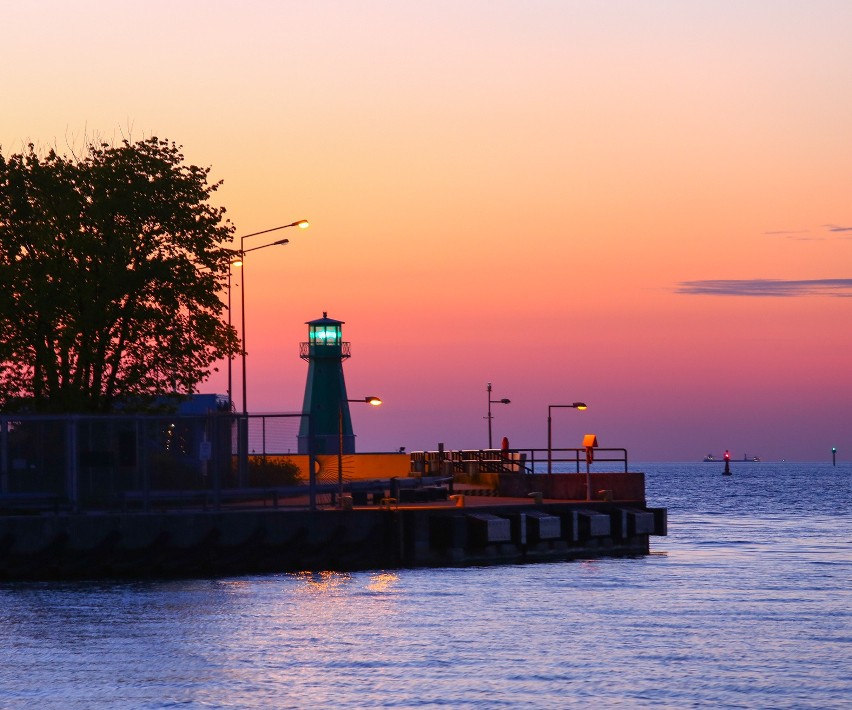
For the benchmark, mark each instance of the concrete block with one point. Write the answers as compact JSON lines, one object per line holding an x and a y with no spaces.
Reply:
{"x":541,"y":526}
{"x":640,"y":522}
{"x":486,"y":528}
{"x":593,"y":524}
{"x":661,"y":520}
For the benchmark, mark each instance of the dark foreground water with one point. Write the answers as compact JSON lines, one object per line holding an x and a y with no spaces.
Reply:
{"x":745,"y":605}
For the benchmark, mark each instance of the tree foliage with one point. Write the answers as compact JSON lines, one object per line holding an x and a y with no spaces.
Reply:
{"x":110,"y":270}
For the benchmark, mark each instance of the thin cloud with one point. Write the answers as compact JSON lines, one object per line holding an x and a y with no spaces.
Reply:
{"x":768,"y":288}
{"x":799,"y":235}
{"x":806,"y":235}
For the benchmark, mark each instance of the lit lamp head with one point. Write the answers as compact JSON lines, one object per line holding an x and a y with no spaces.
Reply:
{"x":324,"y":331}
{"x":375,"y":401}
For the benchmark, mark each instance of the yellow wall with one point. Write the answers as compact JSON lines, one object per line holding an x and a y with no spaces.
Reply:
{"x":355,"y":466}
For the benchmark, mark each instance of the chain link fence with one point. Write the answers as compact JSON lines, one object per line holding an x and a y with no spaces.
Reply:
{"x":106,"y":462}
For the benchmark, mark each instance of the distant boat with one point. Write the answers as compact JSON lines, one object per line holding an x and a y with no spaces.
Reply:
{"x":745,"y":459}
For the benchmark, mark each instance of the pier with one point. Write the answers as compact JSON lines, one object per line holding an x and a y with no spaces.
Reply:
{"x":485,"y":530}
{"x":125,"y":497}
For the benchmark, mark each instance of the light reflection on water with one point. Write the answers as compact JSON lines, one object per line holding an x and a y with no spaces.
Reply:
{"x":745,"y":604}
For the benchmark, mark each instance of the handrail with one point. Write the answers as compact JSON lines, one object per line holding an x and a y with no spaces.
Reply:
{"x":527,"y":459}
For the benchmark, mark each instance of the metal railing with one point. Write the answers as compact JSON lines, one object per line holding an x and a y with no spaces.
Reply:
{"x":572,"y":460}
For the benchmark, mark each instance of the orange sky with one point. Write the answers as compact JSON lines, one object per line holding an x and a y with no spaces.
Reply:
{"x":507,"y":191}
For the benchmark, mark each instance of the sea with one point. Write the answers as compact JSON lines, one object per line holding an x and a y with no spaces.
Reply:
{"x":745,"y":604}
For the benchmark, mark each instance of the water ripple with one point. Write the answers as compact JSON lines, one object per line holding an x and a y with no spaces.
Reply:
{"x":744,"y":605}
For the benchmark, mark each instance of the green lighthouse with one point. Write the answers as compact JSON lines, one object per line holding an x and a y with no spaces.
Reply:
{"x":328,"y":422}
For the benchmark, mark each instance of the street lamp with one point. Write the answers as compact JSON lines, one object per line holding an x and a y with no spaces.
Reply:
{"x":243,"y":426}
{"x":236,"y":261}
{"x":576,"y":405}
{"x":243,"y":438}
{"x":375,"y":401}
{"x":490,"y":402}
{"x":302,"y":224}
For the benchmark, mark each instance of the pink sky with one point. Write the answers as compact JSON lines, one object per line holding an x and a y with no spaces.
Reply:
{"x":571,"y":200}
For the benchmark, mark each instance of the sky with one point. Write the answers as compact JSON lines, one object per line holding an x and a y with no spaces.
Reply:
{"x":646,"y":206}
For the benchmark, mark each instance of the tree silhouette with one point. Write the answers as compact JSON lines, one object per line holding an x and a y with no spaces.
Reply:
{"x":110,"y":269}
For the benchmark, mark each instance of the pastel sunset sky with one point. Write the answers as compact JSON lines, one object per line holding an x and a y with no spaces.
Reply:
{"x":646,"y":206}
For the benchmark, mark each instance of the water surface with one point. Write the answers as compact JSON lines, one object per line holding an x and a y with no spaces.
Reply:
{"x":744,"y":605}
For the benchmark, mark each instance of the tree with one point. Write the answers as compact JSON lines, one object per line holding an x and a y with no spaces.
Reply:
{"x":110,"y":270}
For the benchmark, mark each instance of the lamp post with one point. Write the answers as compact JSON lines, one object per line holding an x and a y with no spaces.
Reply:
{"x":243,"y":438}
{"x":490,"y":402}
{"x":302,"y":224}
{"x":576,"y":405}
{"x":236,"y":261}
{"x":375,"y":401}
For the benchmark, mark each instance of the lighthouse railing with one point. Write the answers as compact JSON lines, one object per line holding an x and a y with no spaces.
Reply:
{"x":309,"y":350}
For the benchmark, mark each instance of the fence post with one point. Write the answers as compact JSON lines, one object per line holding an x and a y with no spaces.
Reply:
{"x":4,"y":455}
{"x":72,"y":487}
{"x":218,"y":439}
{"x":312,"y":473}
{"x":243,"y":438}
{"x":146,"y":468}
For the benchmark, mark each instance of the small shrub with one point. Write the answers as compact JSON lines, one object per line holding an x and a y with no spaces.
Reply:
{"x":273,"y":471}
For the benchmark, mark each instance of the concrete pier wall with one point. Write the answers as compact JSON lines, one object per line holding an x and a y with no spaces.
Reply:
{"x":190,"y":544}
{"x":572,"y":486}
